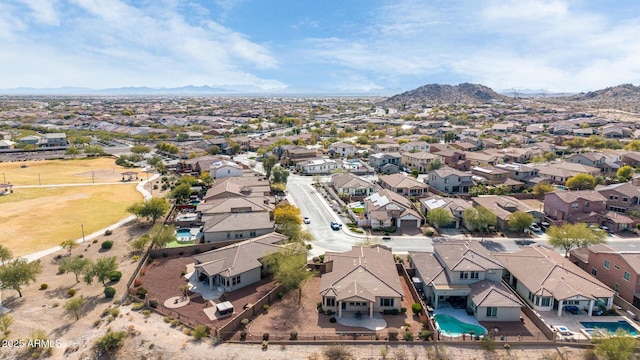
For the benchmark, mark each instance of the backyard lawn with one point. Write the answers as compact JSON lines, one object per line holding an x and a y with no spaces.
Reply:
{"x":63,"y":171}
{"x":35,"y":219}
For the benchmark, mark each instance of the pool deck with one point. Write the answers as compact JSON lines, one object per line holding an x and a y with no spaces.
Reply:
{"x":572,"y":322}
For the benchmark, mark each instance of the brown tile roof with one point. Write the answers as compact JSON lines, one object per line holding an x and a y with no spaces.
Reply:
{"x":400,"y":181}
{"x":572,"y":196}
{"x":547,"y":273}
{"x":364,"y":272}
{"x":490,"y":293}
{"x":429,"y":267}
{"x":466,"y":256}
{"x":237,"y":221}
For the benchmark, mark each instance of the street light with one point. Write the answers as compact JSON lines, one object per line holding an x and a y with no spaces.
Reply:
{"x":82,"y":226}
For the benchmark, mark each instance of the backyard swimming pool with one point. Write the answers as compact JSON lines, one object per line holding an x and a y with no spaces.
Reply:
{"x":450,"y":326}
{"x":611,"y":327}
{"x":185,"y":234}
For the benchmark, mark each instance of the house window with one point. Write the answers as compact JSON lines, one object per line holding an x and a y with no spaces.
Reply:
{"x":464,"y":275}
{"x":606,"y":264}
{"x":625,"y":199}
{"x":235,"y":280}
{"x":252,"y":234}
{"x":492,"y":311}
{"x":228,"y":235}
{"x":616,"y":267}
{"x":386,"y":302}
{"x":475,"y":274}
{"x":586,"y":204}
{"x":594,"y":272}
{"x":617,"y":288}
{"x":546,"y":301}
{"x":330,"y":301}
{"x":626,"y":276}
{"x":574,"y":205}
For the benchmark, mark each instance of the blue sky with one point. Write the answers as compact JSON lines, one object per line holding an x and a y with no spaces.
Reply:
{"x":323,"y":45}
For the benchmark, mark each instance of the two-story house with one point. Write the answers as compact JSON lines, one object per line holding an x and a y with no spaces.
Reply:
{"x":455,"y":205}
{"x":620,"y":270}
{"x":419,"y":160}
{"x":591,"y":159}
{"x":293,"y":154}
{"x":55,"y":139}
{"x":549,"y":282}
{"x":449,"y":180}
{"x":559,"y":173}
{"x":318,"y":166}
{"x":588,"y":206}
{"x":385,"y":163}
{"x":342,"y":150}
{"x":386,"y":147}
{"x":489,"y":175}
{"x":224,"y":168}
{"x":414,"y":146}
{"x":521,"y":172}
{"x":455,"y":159}
{"x":403,"y":185}
{"x":361,"y":282}
{"x":464,"y":275}
{"x":620,"y":197}
{"x":631,"y":158}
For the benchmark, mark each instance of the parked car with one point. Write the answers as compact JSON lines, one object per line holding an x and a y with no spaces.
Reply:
{"x":544,"y":225}
{"x":336,"y":225}
{"x":306,"y":220}
{"x":535,"y":227}
{"x":386,"y":238}
{"x":604,"y":228}
{"x":571,"y":309}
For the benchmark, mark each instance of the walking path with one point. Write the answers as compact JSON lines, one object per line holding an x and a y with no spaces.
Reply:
{"x":139,"y":187}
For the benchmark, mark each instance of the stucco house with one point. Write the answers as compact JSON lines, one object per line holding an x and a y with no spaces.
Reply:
{"x":587,"y":206}
{"x":464,"y":275}
{"x":224,"y":168}
{"x":449,"y":180}
{"x":503,"y":206}
{"x":385,"y":163}
{"x":455,"y":205}
{"x":342,"y":150}
{"x":548,"y":281}
{"x":352,"y":185}
{"x":419,"y":160}
{"x":234,"y":226}
{"x":363,"y":280}
{"x":318,"y":166}
{"x":386,"y":208}
{"x":403,"y":185}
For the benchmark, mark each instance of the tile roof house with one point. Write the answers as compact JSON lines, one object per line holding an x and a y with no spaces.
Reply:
{"x":234,"y":226}
{"x":224,"y":168}
{"x":363,"y":279}
{"x":403,"y":185}
{"x":463,"y":274}
{"x":352,"y":185}
{"x":236,"y":266}
{"x":560,"y":172}
{"x":386,"y":208}
{"x":449,"y":180}
{"x":548,"y":281}
{"x":503,"y":206}
{"x":588,"y":206}
{"x":620,"y":270}
{"x":385,"y":163}
{"x":419,"y":160}
{"x":342,"y":149}
{"x":456,"y":206}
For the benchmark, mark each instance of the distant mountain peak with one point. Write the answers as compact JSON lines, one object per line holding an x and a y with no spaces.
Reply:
{"x":465,"y":93}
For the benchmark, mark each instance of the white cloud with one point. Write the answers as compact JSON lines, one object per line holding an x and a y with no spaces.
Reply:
{"x":43,"y":11}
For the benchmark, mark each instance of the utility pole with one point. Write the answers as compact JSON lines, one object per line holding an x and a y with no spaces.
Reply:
{"x":82,"y":226}
{"x":39,"y":182}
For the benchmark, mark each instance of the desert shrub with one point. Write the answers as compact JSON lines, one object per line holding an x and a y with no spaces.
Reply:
{"x":137,"y":306}
{"x":337,"y":352}
{"x":408,"y":336}
{"x":137,"y":282}
{"x":487,"y":343}
{"x":403,"y":310}
{"x":146,"y":313}
{"x":141,"y":292}
{"x":71,"y":292}
{"x":175,"y":322}
{"x":265,"y":337}
{"x":321,"y":257}
{"x":95,"y":241}
{"x":332,"y":319}
{"x":107,"y":244}
{"x":266,"y":307}
{"x":393,"y":334}
{"x":280,"y":295}
{"x":153,"y":303}
{"x":416,"y":308}
{"x":108,"y":232}
{"x":110,"y":341}
{"x":424,"y":335}
{"x":329,"y":312}
{"x":243,"y":335}
{"x":109,"y":292}
{"x":293,"y":335}
{"x":244,"y":322}
{"x":167,"y":319}
{"x":115,"y":275}
{"x":315,"y":259}
{"x":44,"y":286}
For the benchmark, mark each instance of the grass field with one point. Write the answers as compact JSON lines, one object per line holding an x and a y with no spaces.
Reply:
{"x":34,"y":219}
{"x":63,"y":171}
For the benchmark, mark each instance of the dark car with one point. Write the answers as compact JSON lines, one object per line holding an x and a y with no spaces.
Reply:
{"x":572,"y":309}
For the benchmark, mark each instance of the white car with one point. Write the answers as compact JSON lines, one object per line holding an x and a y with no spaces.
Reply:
{"x":306,"y":220}
{"x":535,"y":227}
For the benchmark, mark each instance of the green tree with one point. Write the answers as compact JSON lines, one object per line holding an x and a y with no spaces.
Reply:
{"x":214,"y":150}
{"x":449,"y":136}
{"x":181,"y":192}
{"x":633,"y":145}
{"x":620,"y":346}
{"x":568,"y":236}
{"x":161,"y":235}
{"x":94,"y":150}
{"x":541,"y":188}
{"x":73,"y":151}
{"x":279,"y":175}
{"x":75,"y":306}
{"x":439,"y":217}
{"x":415,"y":173}
{"x":435,"y":165}
{"x":268,"y":163}
{"x":69,"y":245}
{"x":289,"y":268}
{"x":111,"y":341}
{"x":5,"y":254}
{"x":100,"y":270}
{"x":154,"y":160}
{"x":625,"y":173}
{"x":140,"y":149}
{"x":19,"y":273}
{"x":288,"y":220}
{"x":153,"y":209}
{"x":478,"y":218}
{"x":140,"y":244}
{"x":518,"y":220}
{"x":581,"y":182}
{"x":76,"y":265}
{"x":5,"y":323}
{"x":206,"y":179}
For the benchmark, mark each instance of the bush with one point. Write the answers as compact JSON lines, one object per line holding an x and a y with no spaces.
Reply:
{"x":280,"y":295}
{"x":71,"y":292}
{"x":44,"y":286}
{"x":95,"y":241}
{"x":315,"y":260}
{"x":146,"y":313}
{"x":109,"y":292}
{"x":137,"y":306}
{"x":487,"y":343}
{"x":321,"y":257}
{"x":416,"y":308}
{"x":424,"y":335}
{"x":115,"y":275}
{"x":408,"y":336}
{"x":110,"y":341}
{"x":390,"y":312}
{"x":200,"y":331}
{"x":141,"y":292}
{"x":393,"y":334}
{"x":175,"y":322}
{"x":243,"y":335}
{"x":332,"y":319}
{"x":403,"y":310}
{"x":244,"y":322}
{"x":108,"y":232}
{"x":329,"y":312}
{"x":265,"y":337}
{"x":293,"y":335}
{"x":107,"y":244}
{"x":266,"y":307}
{"x":153,"y":303}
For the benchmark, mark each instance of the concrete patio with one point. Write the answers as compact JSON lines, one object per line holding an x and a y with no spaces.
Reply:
{"x":375,"y":323}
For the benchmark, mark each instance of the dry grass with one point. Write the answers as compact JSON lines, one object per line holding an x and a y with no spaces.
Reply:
{"x":35,"y":219}
{"x":63,"y":171}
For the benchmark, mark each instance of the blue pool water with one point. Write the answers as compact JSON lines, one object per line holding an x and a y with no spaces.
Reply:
{"x":611,"y":327}
{"x":184,"y":235}
{"x":450,"y":326}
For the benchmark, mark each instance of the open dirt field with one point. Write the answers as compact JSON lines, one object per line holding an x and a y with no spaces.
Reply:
{"x":63,"y":171}
{"x":35,"y":219}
